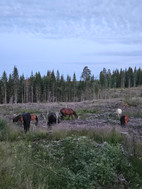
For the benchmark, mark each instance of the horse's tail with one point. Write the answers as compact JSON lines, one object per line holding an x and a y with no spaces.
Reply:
{"x":75,"y":114}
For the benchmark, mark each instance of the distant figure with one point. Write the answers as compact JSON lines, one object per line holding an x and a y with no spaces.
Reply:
{"x":119,"y":112}
{"x":52,"y":119}
{"x":26,"y":121}
{"x":124,"y":120}
{"x":68,"y":111}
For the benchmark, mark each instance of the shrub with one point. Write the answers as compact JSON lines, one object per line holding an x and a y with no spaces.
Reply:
{"x":74,"y":162}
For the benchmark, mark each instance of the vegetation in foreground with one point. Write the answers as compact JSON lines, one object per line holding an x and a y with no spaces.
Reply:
{"x":71,"y":159}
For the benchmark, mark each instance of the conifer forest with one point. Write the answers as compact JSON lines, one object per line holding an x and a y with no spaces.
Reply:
{"x":53,"y":87}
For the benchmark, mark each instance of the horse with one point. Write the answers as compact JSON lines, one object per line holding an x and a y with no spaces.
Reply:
{"x":52,"y":119}
{"x":18,"y":118}
{"x":69,"y":112}
{"x":124,"y":120}
{"x":119,"y":112}
{"x":26,"y":121}
{"x":34,"y":118}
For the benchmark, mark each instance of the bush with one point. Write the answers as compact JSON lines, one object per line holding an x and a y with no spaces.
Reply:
{"x":72,"y":163}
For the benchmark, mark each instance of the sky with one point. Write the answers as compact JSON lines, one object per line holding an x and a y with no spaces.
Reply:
{"x":67,"y":35}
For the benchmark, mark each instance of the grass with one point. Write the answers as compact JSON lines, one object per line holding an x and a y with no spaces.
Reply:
{"x":100,"y":135}
{"x":132,"y":101}
{"x":65,"y":159}
{"x":84,"y":111}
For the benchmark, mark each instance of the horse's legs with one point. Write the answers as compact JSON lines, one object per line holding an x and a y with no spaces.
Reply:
{"x":25,"y":128}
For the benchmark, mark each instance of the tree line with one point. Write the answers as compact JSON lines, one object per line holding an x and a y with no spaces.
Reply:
{"x":55,"y":88}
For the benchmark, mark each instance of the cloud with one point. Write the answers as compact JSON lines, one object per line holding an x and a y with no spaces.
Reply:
{"x":71,"y":33}
{"x":71,"y":18}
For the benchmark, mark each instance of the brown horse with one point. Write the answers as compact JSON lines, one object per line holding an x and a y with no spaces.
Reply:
{"x":20,"y":118}
{"x":68,"y":111}
{"x":124,"y":120}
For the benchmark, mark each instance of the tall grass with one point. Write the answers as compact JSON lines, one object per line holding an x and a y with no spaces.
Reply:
{"x":65,"y":159}
{"x":74,"y":162}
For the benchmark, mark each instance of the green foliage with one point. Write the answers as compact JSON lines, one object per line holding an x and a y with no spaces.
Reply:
{"x":82,"y":112}
{"x":6,"y":179}
{"x":71,"y":163}
{"x":137,"y":163}
{"x":4,"y":130}
{"x":36,"y":136}
{"x":66,"y":159}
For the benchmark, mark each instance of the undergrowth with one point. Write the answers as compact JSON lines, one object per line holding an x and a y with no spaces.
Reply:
{"x":66,"y":159}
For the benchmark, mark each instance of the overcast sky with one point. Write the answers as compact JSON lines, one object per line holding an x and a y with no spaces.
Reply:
{"x":67,"y":35}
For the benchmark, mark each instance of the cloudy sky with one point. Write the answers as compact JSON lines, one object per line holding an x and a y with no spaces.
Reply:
{"x":67,"y":35}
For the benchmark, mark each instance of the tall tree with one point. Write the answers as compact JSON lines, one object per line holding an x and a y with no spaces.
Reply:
{"x":21,"y":89}
{"x":102,"y":79}
{"x":86,"y":74}
{"x":135,"y":76}
{"x":38,"y":86}
{"x":10,"y":89}
{"x":53,"y":86}
{"x":68,"y":89}
{"x":15,"y":77}
{"x":32,"y":87}
{"x":74,"y":87}
{"x":122,"y":76}
{"x":4,"y":85}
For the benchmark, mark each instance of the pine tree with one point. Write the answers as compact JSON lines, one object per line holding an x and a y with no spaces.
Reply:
{"x":10,"y":89}
{"x":53,"y":86}
{"x":32,"y":88}
{"x":58,"y":85}
{"x":135,"y":77}
{"x":74,"y":87}
{"x":38,"y":87}
{"x":122,"y":76}
{"x":86,"y":74}
{"x":102,"y":79}
{"x":15,"y":77}
{"x":21,"y":89}
{"x":68,"y":89}
{"x":4,"y":86}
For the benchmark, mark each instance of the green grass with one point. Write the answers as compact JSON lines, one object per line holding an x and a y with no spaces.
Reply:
{"x":84,"y":111}
{"x":66,"y":159}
